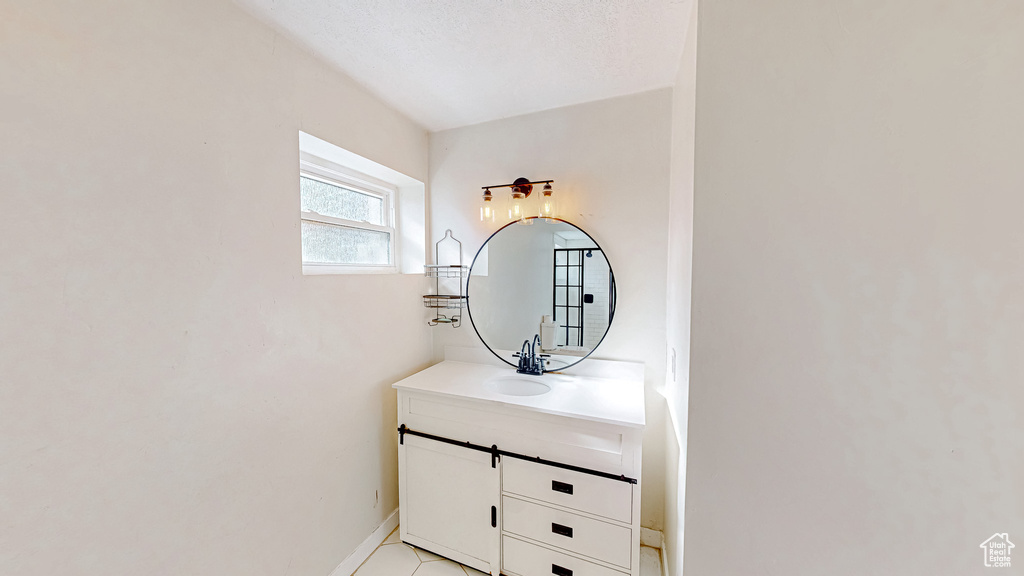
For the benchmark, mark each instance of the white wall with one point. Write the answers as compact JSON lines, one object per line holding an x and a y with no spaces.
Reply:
{"x":609,"y":160}
{"x":858,"y":287}
{"x":680,"y":256}
{"x":175,"y":397}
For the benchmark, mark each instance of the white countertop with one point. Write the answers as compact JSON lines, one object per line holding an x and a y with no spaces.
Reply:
{"x":608,"y":400}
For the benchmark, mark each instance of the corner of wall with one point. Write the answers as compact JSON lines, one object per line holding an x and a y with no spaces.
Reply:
{"x":680,"y":257}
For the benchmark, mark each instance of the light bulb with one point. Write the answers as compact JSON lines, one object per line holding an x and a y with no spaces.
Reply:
{"x":548,"y":210}
{"x":517,"y":207}
{"x":487,"y":208}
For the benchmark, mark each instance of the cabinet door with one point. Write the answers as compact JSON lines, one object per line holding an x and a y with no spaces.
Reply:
{"x":447,"y":493}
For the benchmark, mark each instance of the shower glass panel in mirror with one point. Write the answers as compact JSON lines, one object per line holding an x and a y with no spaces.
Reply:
{"x":551,"y":279}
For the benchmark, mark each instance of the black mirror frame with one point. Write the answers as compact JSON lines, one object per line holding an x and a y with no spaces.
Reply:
{"x":612,"y":293}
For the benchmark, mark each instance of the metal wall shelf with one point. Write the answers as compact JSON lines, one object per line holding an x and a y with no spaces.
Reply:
{"x":441,"y":301}
{"x":445,"y":271}
{"x":444,"y":301}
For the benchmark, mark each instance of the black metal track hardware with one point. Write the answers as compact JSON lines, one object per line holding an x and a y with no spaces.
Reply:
{"x":496,"y":453}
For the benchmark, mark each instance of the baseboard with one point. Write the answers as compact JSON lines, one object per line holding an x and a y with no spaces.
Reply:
{"x":656,"y":539}
{"x":664,"y":560}
{"x":652,"y":538}
{"x":363,"y":551}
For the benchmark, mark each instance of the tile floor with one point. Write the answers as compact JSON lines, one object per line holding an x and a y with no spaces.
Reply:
{"x":395,"y":558}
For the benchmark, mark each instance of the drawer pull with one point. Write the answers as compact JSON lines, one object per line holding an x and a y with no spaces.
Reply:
{"x":561,"y":487}
{"x":494,"y":516}
{"x":559,"y":571}
{"x":561,"y":530}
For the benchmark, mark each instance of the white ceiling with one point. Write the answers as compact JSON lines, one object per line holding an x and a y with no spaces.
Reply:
{"x":450,"y":63}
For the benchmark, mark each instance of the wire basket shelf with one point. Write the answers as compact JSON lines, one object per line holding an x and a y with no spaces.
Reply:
{"x":444,"y":301}
{"x":445,"y":271}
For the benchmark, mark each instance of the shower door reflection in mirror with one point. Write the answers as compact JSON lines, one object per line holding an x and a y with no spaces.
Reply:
{"x":581,"y":288}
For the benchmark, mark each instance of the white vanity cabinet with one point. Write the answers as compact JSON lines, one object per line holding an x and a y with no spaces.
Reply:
{"x":522,"y":486}
{"x":442,"y":483}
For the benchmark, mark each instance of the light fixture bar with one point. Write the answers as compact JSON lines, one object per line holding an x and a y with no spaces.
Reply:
{"x":518,"y":210}
{"x":519,"y":184}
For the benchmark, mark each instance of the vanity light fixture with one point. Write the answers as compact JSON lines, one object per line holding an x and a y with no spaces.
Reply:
{"x":487,"y":210}
{"x":518,"y":209}
{"x":547,"y":204}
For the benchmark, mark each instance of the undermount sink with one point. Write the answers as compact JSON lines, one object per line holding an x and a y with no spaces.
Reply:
{"x":517,"y":386}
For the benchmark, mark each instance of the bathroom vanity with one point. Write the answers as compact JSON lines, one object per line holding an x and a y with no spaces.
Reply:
{"x":501,"y":478}
{"x":504,"y":465}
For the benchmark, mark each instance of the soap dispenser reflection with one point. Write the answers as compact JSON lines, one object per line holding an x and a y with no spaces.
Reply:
{"x":547,"y":333}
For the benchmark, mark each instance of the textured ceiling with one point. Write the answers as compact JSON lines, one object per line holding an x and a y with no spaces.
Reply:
{"x":450,"y":63}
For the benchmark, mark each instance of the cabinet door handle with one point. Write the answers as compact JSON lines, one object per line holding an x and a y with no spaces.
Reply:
{"x":559,"y":571}
{"x":561,"y":530}
{"x":494,"y":517}
{"x":561,"y":487}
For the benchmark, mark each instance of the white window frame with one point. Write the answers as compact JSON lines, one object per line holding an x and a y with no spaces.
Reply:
{"x":317,"y":168}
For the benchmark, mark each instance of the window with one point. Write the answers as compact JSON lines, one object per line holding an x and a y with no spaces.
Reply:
{"x":347,"y":219}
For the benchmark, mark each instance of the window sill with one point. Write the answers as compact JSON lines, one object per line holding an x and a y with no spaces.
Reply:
{"x":326,"y":269}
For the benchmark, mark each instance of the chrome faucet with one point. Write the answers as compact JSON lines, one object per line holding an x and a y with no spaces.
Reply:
{"x":529,"y":361}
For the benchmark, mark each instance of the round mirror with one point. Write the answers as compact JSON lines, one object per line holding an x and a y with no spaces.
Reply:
{"x":549,"y":278}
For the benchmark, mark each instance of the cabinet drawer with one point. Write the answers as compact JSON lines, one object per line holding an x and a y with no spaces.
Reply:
{"x":602,"y":540}
{"x":602,"y":496}
{"x":525,"y":559}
